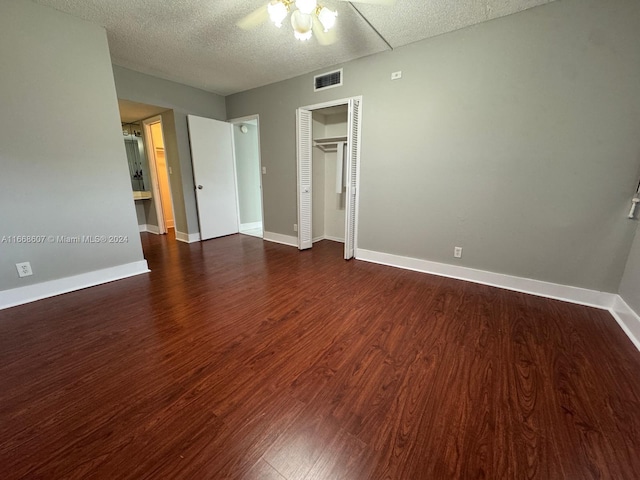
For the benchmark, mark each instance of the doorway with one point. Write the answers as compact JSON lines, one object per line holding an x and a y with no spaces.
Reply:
{"x":328,"y":179}
{"x":343,"y":138}
{"x":160,"y":170}
{"x":246,"y":141}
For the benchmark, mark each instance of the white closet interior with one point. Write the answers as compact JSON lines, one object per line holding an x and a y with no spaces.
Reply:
{"x":329,"y":177}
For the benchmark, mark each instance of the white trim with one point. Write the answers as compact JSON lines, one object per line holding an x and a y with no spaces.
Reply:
{"x":331,"y":103}
{"x":187,"y":237}
{"x":566,"y":293}
{"x":235,"y":121}
{"x":151,"y":161}
{"x":328,"y":237}
{"x":146,"y":228}
{"x":317,"y":106}
{"x":279,"y":238}
{"x":628,"y":320}
{"x":250,"y":226}
{"x":626,"y":317}
{"x":152,"y":229}
{"x":334,"y":239}
{"x":51,"y":288}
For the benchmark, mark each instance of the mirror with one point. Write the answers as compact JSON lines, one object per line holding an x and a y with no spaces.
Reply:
{"x":138,"y":164}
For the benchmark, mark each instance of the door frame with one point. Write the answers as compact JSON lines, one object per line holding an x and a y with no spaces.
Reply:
{"x":236,"y":121}
{"x":318,"y":106}
{"x":153,"y":170}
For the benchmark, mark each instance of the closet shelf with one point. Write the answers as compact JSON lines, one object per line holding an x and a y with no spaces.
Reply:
{"x":137,"y":195}
{"x":329,"y":144}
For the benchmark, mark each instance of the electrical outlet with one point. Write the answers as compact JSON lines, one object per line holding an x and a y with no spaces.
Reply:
{"x":396,"y":75}
{"x":457,"y":252}
{"x":264,"y":170}
{"x":295,"y":227}
{"x":24,"y":269}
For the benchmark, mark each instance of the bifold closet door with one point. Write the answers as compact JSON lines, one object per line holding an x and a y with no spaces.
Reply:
{"x":304,"y":142}
{"x":352,"y":161}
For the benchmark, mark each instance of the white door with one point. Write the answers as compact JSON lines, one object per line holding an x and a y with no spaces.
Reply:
{"x":214,"y":176}
{"x":353,"y":160}
{"x":304,"y":125}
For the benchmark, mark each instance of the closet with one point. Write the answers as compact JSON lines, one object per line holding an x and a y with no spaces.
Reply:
{"x":329,"y":175}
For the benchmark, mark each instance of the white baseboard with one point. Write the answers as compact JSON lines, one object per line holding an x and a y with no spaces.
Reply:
{"x":153,"y":229}
{"x":566,"y":293}
{"x":628,"y":320}
{"x":334,"y":239}
{"x":187,"y":237}
{"x":279,"y":238}
{"x":250,"y":226}
{"x":149,"y":229}
{"x":51,"y":288}
{"x":328,"y":237}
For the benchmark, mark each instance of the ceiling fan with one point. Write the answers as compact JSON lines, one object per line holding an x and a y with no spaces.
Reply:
{"x":308,"y":17}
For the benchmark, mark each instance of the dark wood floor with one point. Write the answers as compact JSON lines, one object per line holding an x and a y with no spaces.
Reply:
{"x":241,"y":359}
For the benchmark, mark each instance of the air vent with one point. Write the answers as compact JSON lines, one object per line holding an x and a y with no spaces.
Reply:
{"x":327,"y":80}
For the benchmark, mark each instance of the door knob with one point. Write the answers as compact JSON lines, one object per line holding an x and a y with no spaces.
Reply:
{"x":199,"y":187}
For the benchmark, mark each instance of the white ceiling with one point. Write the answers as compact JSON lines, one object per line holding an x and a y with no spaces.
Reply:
{"x":197,"y":42}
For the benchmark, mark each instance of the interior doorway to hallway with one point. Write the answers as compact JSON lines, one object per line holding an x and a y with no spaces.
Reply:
{"x":246,"y":141}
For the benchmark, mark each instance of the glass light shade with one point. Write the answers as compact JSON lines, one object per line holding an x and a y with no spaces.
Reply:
{"x":327,"y":18}
{"x":306,"y":6}
{"x":277,"y":12}
{"x":302,"y":24}
{"x":303,"y":36}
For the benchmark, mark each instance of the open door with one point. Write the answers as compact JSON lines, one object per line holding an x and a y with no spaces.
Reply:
{"x":214,"y":176}
{"x":304,"y":125}
{"x":353,"y":160}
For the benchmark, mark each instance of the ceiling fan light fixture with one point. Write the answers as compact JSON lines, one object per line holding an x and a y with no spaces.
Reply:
{"x":302,"y":24}
{"x":327,"y":18}
{"x":278,"y":11}
{"x":306,"y":6}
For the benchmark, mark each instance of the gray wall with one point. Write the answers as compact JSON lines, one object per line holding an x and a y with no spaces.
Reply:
{"x":64,"y":167}
{"x":140,"y":212}
{"x":516,"y":139}
{"x":630,"y":284}
{"x":248,"y":173}
{"x":183,"y":100}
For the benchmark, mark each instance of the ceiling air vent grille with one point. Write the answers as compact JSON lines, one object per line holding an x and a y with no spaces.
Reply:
{"x":327,"y":80}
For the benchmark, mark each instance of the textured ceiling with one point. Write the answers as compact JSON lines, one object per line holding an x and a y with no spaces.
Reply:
{"x":197,"y":42}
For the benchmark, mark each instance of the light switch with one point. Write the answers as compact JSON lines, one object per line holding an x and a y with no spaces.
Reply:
{"x":264,"y":170}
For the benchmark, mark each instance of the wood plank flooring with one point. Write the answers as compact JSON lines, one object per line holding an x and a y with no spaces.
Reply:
{"x":242,"y":359}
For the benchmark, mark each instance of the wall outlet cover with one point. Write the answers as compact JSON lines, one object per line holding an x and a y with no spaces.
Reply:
{"x":24,"y":269}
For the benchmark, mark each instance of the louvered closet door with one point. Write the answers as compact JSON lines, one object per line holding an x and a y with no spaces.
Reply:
{"x":304,"y":123}
{"x":352,"y":159}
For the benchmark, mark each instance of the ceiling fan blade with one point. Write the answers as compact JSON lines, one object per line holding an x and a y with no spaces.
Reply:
{"x":373,"y":2}
{"x":255,"y":18}
{"x":323,"y":38}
